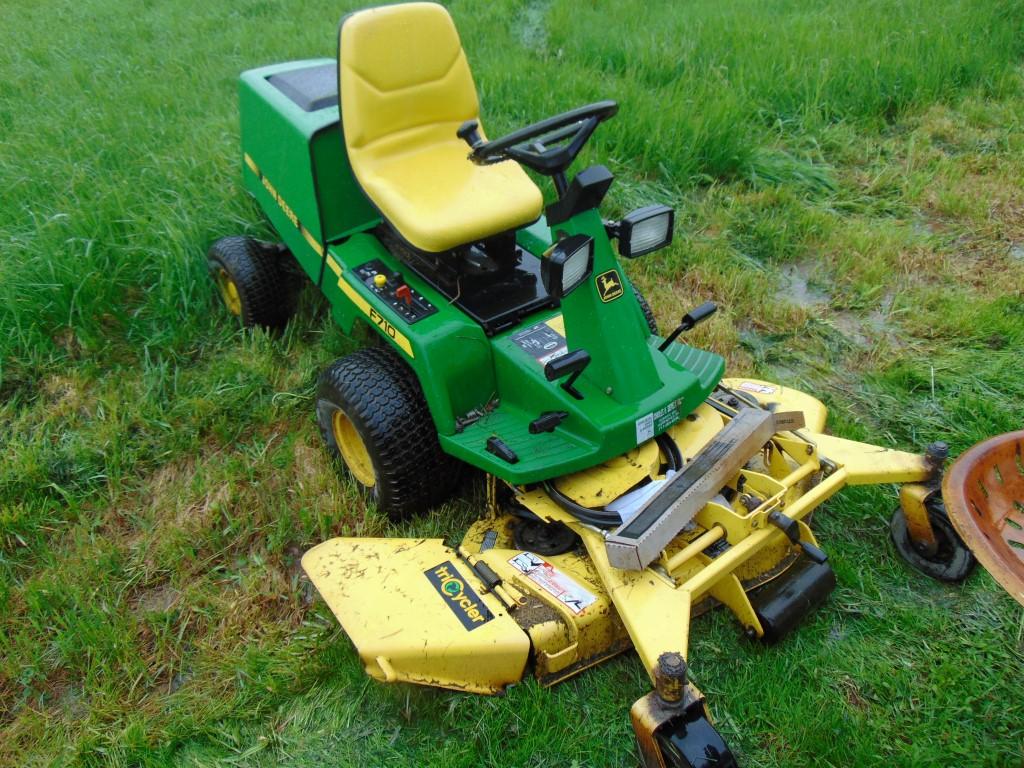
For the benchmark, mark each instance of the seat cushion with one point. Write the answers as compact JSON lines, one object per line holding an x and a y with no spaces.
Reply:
{"x":405,"y":89}
{"x":438,"y":200}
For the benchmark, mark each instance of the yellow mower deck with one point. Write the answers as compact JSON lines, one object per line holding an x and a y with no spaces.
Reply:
{"x":387,"y":592}
{"x":470,"y":618}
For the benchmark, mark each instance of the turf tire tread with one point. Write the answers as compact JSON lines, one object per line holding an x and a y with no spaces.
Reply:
{"x":384,"y":401}
{"x":262,"y":285}
{"x":652,"y":321}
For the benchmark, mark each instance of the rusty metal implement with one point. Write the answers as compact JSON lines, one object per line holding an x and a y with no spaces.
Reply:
{"x":637,"y":543}
{"x":984,"y":495}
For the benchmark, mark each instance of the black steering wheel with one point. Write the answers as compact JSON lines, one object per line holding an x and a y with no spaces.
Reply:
{"x":548,"y":147}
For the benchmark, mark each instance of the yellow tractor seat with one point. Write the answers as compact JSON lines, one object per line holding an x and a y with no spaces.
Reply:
{"x":405,"y":88}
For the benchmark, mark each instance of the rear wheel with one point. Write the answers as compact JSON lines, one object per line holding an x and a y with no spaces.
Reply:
{"x":952,"y":560}
{"x":374,"y":418}
{"x":251,"y":282}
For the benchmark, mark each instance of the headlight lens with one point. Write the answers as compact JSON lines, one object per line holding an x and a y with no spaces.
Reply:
{"x":576,"y":267}
{"x":567,"y":264}
{"x":645,"y":229}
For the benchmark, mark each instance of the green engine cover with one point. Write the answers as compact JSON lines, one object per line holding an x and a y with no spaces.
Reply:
{"x":294,"y":161}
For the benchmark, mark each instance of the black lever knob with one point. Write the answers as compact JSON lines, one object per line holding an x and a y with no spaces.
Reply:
{"x":699,"y":315}
{"x":690,"y":319}
{"x":814,"y":554}
{"x":469,"y":132}
{"x":791,"y":528}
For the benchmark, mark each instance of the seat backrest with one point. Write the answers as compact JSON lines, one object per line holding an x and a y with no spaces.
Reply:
{"x":403,"y":78}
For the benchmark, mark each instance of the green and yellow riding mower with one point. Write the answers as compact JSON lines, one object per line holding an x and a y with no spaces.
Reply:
{"x":629,"y":485}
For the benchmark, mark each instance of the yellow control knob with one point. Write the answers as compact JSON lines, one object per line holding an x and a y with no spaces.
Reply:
{"x":380,"y":280}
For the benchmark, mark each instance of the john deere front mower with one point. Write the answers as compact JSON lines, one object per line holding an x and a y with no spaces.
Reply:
{"x":630,"y":486}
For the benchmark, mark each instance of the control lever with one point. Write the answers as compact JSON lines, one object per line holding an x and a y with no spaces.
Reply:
{"x":690,"y":319}
{"x":547,"y":421}
{"x":791,"y":528}
{"x":570,"y":364}
{"x":469,"y":132}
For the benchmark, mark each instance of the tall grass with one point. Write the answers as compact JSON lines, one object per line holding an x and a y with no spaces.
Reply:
{"x":118,"y":159}
{"x":703,"y":86}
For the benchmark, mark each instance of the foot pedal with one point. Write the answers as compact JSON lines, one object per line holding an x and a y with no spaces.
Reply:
{"x":639,"y":541}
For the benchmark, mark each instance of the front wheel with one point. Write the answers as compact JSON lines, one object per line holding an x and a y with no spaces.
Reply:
{"x":645,"y":307}
{"x":374,"y":419}
{"x":952,"y":560}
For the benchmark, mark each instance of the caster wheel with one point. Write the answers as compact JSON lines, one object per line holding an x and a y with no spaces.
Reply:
{"x":952,"y":560}
{"x":690,"y":741}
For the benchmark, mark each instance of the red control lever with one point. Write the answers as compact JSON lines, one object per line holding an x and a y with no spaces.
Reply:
{"x":403,"y":292}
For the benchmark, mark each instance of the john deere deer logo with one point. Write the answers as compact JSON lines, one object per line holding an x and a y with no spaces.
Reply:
{"x":609,"y":285}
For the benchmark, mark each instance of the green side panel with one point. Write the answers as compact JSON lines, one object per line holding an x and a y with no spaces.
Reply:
{"x":447,"y":350}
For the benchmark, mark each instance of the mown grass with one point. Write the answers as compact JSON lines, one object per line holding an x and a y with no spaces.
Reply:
{"x":848,"y":179}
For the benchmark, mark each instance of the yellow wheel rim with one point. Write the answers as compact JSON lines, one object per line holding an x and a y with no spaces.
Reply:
{"x":229,"y":292}
{"x":353,"y":449}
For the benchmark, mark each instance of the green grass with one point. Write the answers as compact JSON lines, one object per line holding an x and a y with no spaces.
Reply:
{"x":848,"y":178}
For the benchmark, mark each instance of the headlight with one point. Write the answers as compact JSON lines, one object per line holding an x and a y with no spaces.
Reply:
{"x":567,"y":264}
{"x":645,"y":229}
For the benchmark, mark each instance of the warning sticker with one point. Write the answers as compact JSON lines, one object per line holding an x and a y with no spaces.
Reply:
{"x":553,"y":581}
{"x":761,"y":389}
{"x":655,"y":423}
{"x":543,"y":341}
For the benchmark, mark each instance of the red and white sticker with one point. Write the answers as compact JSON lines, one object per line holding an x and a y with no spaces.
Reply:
{"x":553,"y":581}
{"x":761,"y":389}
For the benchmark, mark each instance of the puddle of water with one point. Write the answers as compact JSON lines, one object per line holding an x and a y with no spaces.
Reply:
{"x":532,"y":32}
{"x":861,"y":330}
{"x":796,"y":287}
{"x":851,"y":326}
{"x":1017,"y":251}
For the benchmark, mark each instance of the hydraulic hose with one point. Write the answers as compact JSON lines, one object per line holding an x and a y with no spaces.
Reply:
{"x":598,"y":516}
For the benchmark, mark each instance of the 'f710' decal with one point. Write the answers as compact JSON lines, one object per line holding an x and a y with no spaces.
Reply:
{"x":375,"y":317}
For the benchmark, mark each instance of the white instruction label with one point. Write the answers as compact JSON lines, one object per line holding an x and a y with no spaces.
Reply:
{"x":644,"y":428}
{"x":655,"y":423}
{"x":553,"y":581}
{"x":761,"y":389}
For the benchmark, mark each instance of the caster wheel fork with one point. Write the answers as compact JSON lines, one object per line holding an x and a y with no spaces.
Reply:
{"x":671,"y":723}
{"x":929,"y":543}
